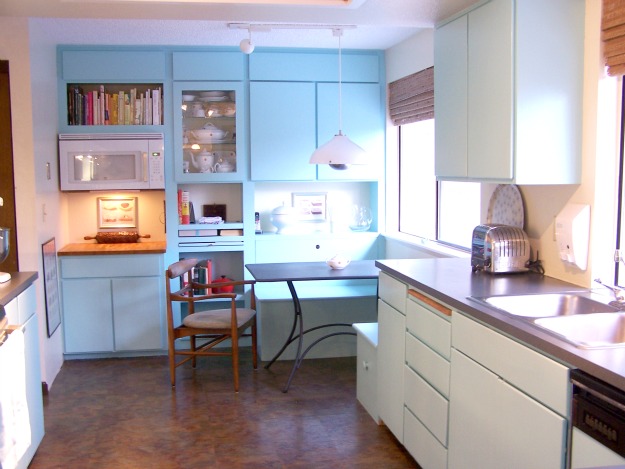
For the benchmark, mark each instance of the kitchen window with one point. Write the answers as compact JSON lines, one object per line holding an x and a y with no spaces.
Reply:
{"x":444,"y":211}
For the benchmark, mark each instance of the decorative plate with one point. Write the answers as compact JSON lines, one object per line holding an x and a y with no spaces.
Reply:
{"x":506,"y":206}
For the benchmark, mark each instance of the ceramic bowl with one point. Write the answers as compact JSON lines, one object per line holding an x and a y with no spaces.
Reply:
{"x":338,"y":262}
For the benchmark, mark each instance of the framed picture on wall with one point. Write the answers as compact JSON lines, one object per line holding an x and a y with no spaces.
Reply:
{"x":311,"y":206}
{"x":117,"y":212}
{"x":51,"y":286}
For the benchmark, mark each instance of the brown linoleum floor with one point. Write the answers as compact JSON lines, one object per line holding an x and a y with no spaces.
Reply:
{"x":122,"y":413}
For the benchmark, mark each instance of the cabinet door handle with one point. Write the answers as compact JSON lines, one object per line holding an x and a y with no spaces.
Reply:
{"x":430,"y":302}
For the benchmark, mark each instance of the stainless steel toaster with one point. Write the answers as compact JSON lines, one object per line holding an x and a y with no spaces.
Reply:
{"x":499,"y":248}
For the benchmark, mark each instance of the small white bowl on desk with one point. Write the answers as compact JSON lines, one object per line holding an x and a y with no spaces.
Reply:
{"x":338,"y":262}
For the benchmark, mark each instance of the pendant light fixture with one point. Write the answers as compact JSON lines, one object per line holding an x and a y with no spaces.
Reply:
{"x":340,"y":152}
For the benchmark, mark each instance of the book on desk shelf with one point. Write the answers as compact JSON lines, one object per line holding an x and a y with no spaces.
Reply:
{"x":231,"y":232}
{"x":187,"y":233}
{"x":201,"y":273}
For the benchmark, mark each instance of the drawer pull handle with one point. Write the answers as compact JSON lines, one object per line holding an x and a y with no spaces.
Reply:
{"x":430,"y":302}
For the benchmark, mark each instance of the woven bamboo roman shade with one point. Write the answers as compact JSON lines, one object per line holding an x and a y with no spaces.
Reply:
{"x":613,"y":36}
{"x":411,"y":99}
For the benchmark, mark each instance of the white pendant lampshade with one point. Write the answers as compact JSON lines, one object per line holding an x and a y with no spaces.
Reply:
{"x":340,"y":152}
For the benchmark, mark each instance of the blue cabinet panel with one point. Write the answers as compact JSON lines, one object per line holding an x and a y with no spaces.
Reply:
{"x":302,"y":66}
{"x":126,"y":66}
{"x":209,"y":65}
{"x":282,"y":135}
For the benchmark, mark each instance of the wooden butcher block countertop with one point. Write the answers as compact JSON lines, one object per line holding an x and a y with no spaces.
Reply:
{"x":91,"y":249}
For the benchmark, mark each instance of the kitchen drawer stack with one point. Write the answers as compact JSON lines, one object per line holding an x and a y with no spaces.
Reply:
{"x":391,"y":353}
{"x":426,"y":380}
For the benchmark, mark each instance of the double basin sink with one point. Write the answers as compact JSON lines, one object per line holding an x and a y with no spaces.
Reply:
{"x":573,"y":317}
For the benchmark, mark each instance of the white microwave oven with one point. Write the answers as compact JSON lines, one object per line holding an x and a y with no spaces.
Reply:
{"x":97,"y":162}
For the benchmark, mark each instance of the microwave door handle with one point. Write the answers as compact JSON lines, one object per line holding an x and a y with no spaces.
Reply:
{"x":145,"y":167}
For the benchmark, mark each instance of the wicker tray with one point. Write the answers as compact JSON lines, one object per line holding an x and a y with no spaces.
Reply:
{"x":116,"y":237}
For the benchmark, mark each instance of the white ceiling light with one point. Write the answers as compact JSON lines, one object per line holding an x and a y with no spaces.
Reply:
{"x":340,"y":152}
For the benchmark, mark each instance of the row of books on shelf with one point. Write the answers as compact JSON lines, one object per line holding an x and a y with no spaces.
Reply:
{"x":201,"y":273}
{"x":98,"y":107}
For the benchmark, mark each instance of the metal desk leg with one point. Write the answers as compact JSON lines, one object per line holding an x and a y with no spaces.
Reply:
{"x":297,"y":316}
{"x":299,"y":356}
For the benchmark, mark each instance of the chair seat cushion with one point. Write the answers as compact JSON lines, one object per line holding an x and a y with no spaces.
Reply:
{"x":217,"y":319}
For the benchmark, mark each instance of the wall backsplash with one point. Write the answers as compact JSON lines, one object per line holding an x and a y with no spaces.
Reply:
{"x":83,"y":214}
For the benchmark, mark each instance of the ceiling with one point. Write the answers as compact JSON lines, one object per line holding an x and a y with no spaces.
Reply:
{"x":380,"y":24}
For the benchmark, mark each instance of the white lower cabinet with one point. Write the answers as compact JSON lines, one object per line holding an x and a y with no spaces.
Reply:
{"x":495,"y":418}
{"x":113,"y":303}
{"x":391,"y":353}
{"x":22,"y":311}
{"x":426,"y":381}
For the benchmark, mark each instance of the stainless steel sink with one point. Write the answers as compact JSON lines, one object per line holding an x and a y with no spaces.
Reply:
{"x":587,"y":331}
{"x":545,"y":305}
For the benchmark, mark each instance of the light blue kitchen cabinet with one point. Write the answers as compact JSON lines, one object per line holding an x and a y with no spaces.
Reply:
{"x":93,"y":79}
{"x":294,"y":108}
{"x":210,"y":132}
{"x":208,"y":65}
{"x":500,"y":113}
{"x":117,"y":65}
{"x":281,"y":148}
{"x":315,"y":66}
{"x":282,"y":131}
{"x":112,"y":304}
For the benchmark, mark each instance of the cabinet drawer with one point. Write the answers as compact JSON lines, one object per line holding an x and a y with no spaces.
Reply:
{"x":429,"y":327}
{"x":111,"y":266}
{"x":420,"y":443}
{"x":113,"y":65}
{"x":426,"y":404}
{"x":430,"y":365}
{"x":393,"y":292}
{"x":204,"y":66}
{"x":514,"y":362}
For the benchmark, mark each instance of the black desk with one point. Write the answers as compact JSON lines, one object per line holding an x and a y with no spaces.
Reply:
{"x":290,"y":272}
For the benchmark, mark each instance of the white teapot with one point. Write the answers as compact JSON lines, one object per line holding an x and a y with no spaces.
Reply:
{"x":224,"y":167}
{"x":338,"y":262}
{"x":209,"y":132}
{"x":203,"y":162}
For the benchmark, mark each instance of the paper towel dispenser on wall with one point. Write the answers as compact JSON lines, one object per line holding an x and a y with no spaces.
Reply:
{"x":573,"y":234}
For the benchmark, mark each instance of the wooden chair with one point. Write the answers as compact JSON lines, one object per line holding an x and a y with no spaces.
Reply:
{"x":206,"y":329}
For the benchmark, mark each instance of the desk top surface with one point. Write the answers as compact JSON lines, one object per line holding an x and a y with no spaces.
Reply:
{"x":300,"y":271}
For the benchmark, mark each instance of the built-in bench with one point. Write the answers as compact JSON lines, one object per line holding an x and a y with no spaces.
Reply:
{"x":322,"y":302}
{"x":367,"y":367}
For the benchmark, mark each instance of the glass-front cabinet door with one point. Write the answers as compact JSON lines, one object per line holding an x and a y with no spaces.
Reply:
{"x":209,"y":133}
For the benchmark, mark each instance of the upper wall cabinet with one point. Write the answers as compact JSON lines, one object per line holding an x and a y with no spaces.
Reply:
{"x":508,"y":93}
{"x":294,"y":107}
{"x":101,"y":88}
{"x":209,"y":132}
{"x":208,"y":65}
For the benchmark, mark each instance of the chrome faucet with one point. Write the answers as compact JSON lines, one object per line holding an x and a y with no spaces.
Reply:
{"x":616,"y":290}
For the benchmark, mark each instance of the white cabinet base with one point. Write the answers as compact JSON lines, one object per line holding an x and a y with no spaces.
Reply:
{"x":367,"y":367}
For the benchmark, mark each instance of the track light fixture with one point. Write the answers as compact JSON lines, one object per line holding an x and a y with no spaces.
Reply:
{"x":246,"y":44}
